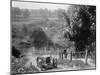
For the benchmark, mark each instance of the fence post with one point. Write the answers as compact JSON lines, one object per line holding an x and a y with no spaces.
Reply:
{"x":62,"y":55}
{"x":66,"y":55}
{"x":71,"y":56}
{"x":86,"y":56}
{"x":59,"y":54}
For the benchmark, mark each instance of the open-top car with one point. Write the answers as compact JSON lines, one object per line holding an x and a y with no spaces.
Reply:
{"x":46,"y":62}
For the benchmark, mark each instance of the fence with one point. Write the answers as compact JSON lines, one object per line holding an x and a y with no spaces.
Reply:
{"x":75,"y":55}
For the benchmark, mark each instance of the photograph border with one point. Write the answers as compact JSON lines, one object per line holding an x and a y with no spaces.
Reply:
{"x":48,"y":3}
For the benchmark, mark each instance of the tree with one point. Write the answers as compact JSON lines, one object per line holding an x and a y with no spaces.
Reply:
{"x":25,"y":13}
{"x":15,"y":13}
{"x":15,"y":31}
{"x":25,"y":30}
{"x":82,"y":27}
{"x":39,"y":38}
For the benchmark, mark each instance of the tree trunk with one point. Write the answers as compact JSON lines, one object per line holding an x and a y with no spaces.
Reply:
{"x":62,"y":55}
{"x":59,"y":54}
{"x":71,"y":56}
{"x":86,"y":56}
{"x":66,"y":55}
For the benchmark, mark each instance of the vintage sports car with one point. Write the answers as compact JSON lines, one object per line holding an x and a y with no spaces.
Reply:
{"x":46,"y":62}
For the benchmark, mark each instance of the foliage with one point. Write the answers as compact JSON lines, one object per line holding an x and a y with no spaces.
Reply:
{"x":25,"y":13}
{"x":19,"y":14}
{"x":39,"y":38}
{"x":82,"y":26}
{"x":18,"y":67}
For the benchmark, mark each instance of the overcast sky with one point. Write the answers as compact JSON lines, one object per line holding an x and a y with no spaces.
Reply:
{"x":34,"y":5}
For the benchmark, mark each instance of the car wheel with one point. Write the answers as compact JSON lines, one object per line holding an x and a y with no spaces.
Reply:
{"x":55,"y":63}
{"x":43,"y":69}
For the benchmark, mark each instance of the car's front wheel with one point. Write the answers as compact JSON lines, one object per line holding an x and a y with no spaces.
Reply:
{"x":43,"y":69}
{"x":55,"y":63}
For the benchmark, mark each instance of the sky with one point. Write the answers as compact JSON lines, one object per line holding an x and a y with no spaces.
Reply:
{"x":34,"y":5}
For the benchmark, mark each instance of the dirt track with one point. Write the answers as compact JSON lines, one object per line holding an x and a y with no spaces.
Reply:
{"x":32,"y":59}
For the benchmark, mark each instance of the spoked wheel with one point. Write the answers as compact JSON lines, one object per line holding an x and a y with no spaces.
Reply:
{"x":55,"y":63}
{"x":43,"y":69}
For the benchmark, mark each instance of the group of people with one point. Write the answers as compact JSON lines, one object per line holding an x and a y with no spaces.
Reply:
{"x":63,"y":54}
